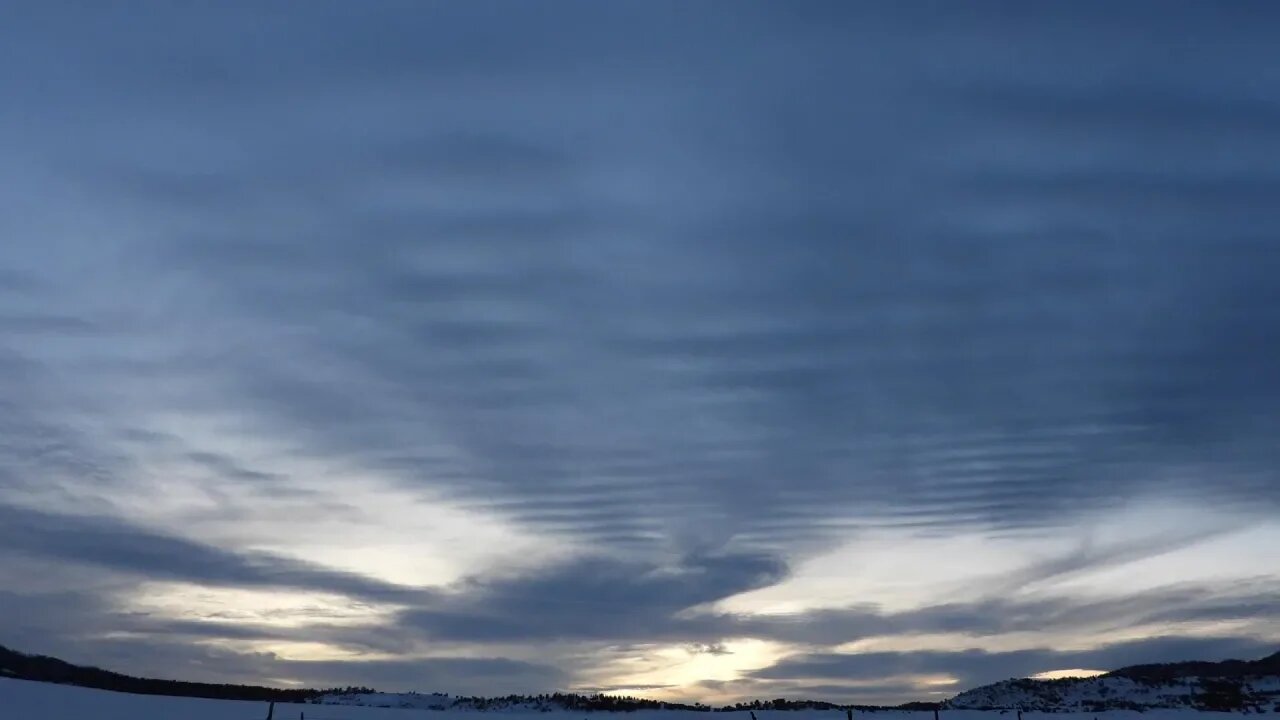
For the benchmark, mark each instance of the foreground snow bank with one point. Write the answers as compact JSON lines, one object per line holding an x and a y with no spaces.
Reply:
{"x":26,"y":700}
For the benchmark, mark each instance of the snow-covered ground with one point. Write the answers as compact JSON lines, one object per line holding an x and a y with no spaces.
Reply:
{"x":1081,"y":693}
{"x":24,"y":700}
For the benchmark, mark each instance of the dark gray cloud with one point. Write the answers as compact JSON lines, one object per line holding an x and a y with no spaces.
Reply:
{"x":1059,"y":317}
{"x":1058,"y":616}
{"x":610,"y":602}
{"x":118,"y":546}
{"x":976,"y":667}
{"x":596,"y":599}
{"x":723,"y":284}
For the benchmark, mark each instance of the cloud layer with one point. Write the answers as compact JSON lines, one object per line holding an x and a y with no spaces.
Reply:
{"x":478,"y":348}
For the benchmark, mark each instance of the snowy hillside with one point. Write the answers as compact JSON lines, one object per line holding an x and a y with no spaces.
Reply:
{"x":1116,"y":692}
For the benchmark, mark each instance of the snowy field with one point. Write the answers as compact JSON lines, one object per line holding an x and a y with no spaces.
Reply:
{"x":23,"y":700}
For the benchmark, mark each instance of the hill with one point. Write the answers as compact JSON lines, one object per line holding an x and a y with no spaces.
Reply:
{"x":1227,"y":685}
{"x":22,"y":666}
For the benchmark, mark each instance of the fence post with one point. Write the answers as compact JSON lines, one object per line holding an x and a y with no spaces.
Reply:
{"x":935,"y":714}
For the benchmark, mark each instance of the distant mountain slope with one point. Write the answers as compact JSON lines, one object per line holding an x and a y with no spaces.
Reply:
{"x":21,"y":666}
{"x":1269,"y":665}
{"x":1227,"y":685}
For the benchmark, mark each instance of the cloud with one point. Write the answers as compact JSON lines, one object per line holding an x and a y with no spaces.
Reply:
{"x":595,"y":599}
{"x":976,"y":667}
{"x":710,"y":649}
{"x":1091,"y":556}
{"x":478,"y":282}
{"x":686,"y":301}
{"x":118,"y":546}
{"x":598,"y":607}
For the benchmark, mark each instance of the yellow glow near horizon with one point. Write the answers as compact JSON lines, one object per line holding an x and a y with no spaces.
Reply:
{"x":1072,"y":673}
{"x":682,"y":668}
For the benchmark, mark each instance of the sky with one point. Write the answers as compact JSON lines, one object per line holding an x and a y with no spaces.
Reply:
{"x":865,"y":351}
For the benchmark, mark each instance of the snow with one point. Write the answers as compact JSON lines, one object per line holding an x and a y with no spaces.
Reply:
{"x":1081,"y":693}
{"x":25,"y":700}
{"x":1071,"y":694}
